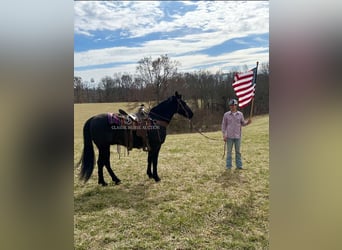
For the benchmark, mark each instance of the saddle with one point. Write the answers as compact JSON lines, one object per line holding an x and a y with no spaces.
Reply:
{"x":134,"y":123}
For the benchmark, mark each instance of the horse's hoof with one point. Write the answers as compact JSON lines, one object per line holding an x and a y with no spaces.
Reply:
{"x":150,"y":176}
{"x":103,"y":184}
{"x":117,"y":182}
{"x":157,"y":179}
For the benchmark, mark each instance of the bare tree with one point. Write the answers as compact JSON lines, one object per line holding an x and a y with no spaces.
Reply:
{"x":106,"y":86}
{"x":78,"y":89}
{"x":156,"y":73}
{"x":265,"y":68}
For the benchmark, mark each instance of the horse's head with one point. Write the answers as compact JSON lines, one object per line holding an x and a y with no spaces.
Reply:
{"x":182,"y":108}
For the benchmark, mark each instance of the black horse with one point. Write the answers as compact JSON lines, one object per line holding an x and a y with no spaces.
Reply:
{"x":97,"y":129}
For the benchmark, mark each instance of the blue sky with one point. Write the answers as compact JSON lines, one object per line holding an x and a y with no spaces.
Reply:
{"x":112,"y":36}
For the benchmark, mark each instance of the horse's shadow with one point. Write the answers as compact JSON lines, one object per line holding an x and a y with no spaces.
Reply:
{"x":121,"y":196}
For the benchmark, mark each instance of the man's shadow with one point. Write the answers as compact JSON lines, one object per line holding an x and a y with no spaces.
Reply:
{"x":231,"y":178}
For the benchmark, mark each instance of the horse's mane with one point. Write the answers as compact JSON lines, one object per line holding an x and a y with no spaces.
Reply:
{"x":163,"y":111}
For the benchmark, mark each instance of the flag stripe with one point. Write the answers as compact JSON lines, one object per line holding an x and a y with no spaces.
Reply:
{"x":244,"y":75}
{"x":242,"y":87}
{"x":243,"y":81}
{"x":243,"y":92}
{"x":242,"y":98}
{"x":245,"y":103}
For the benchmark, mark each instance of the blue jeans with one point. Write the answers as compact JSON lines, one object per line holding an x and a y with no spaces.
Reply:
{"x":238,"y":161}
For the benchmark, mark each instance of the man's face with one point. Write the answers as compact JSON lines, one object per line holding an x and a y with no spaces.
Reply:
{"x":233,"y":107}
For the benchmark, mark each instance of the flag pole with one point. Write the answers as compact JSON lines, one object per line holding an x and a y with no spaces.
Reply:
{"x":252,"y":105}
{"x":250,"y":115}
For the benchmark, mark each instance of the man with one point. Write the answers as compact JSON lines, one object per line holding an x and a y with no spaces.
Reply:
{"x":232,"y":122}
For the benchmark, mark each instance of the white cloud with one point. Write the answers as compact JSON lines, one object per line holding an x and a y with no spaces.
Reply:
{"x":190,"y":63}
{"x":144,"y":17}
{"x":96,"y":16}
{"x":192,"y":42}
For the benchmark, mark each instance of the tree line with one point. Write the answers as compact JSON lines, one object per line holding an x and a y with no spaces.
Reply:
{"x":207,"y":93}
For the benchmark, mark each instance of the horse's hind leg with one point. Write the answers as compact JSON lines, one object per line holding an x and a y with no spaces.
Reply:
{"x":106,"y":156}
{"x":100,"y":164}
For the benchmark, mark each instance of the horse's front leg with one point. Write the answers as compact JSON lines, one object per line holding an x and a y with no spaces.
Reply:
{"x":155,"y":155}
{"x":149,"y":163}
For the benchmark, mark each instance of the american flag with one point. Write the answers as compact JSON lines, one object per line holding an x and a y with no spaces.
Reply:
{"x":244,"y":86}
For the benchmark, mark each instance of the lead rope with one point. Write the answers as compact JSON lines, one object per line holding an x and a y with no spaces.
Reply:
{"x":214,"y":139}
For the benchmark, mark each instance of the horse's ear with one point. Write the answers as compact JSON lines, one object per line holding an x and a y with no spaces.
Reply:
{"x":178,"y":95}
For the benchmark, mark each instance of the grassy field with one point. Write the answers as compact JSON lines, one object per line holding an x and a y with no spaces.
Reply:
{"x":197,"y":205}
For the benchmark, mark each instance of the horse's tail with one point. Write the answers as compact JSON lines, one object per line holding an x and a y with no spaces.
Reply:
{"x":88,"y":157}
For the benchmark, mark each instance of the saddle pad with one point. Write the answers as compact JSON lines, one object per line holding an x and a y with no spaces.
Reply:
{"x":113,"y":119}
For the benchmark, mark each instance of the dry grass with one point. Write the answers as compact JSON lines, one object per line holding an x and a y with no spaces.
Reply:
{"x":197,"y":205}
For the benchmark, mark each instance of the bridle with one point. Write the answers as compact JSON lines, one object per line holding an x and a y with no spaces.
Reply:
{"x":180,"y":104}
